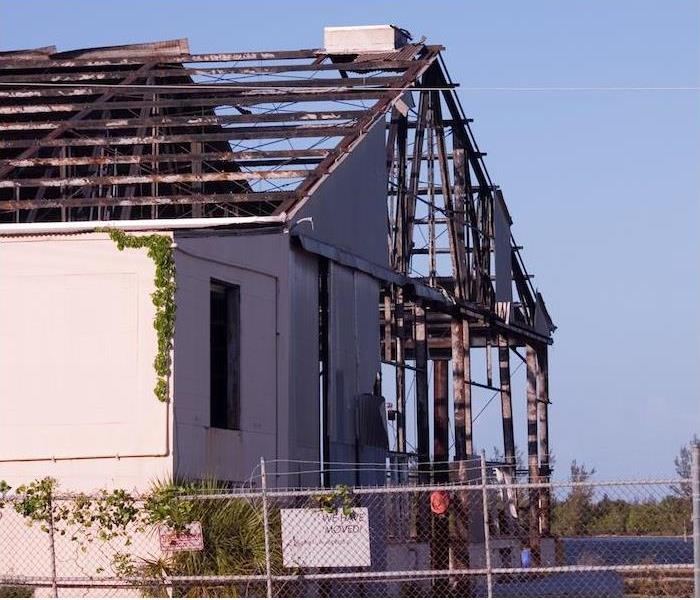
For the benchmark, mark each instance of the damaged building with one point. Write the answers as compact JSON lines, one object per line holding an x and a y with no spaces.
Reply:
{"x":328,"y":213}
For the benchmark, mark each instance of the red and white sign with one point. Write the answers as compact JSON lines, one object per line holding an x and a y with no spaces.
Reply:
{"x":190,"y":539}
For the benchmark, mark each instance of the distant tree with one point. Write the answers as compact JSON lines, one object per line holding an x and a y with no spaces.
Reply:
{"x":610,"y":517}
{"x":682,"y":463}
{"x":574,"y":515}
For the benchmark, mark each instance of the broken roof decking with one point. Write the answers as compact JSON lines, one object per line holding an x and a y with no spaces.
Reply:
{"x":151,"y":130}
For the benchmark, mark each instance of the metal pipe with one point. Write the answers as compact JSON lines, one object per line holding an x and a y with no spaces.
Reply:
{"x":266,"y":525}
{"x":52,"y":546}
{"x":487,"y":533}
{"x":411,"y":575}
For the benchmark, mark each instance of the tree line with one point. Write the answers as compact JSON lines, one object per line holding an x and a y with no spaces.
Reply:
{"x":666,"y":510}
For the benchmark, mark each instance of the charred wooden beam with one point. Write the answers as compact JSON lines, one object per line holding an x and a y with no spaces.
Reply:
{"x":422,"y":412}
{"x":196,"y":102}
{"x":50,"y":74}
{"x":458,"y":387}
{"x":506,"y":401}
{"x":12,"y":62}
{"x":242,"y":158}
{"x":456,"y":243}
{"x":532,"y":458}
{"x":118,"y":180}
{"x":251,"y":197}
{"x":233,"y":133}
{"x":543,"y":438}
{"x":400,"y":371}
{"x":98,"y":104}
{"x":67,"y":90}
{"x":440,"y":421}
{"x":428,"y":55}
{"x":410,"y":199}
{"x":190,"y":121}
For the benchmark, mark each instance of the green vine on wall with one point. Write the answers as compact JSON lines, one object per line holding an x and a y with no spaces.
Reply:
{"x":161,"y":252}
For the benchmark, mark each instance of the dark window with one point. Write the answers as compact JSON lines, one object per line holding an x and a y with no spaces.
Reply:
{"x":224,"y":348}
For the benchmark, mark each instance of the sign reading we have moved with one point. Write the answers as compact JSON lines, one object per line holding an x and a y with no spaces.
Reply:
{"x":312,"y":537}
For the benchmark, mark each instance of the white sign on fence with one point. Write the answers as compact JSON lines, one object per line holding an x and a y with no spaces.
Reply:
{"x":312,"y":537}
{"x":190,"y":539}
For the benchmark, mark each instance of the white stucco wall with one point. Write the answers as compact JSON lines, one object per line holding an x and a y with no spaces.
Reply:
{"x":76,"y":364}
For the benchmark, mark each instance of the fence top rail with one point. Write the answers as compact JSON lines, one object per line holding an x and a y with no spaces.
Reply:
{"x":253,"y":493}
{"x":354,"y":574}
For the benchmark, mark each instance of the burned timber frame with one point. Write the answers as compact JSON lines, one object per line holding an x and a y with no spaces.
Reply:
{"x":153,"y":132}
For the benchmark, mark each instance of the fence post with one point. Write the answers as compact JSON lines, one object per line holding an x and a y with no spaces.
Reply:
{"x":487,"y":533}
{"x":52,"y":546}
{"x":695,"y":477}
{"x":266,"y":525}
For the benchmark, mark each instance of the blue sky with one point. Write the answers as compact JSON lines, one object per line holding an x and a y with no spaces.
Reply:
{"x":603,"y":186}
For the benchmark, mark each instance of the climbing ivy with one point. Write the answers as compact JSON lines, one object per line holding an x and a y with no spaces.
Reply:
{"x":339,"y":498}
{"x":161,"y":252}
{"x":104,"y":515}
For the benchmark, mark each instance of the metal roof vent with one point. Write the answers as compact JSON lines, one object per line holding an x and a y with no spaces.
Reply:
{"x":364,"y":38}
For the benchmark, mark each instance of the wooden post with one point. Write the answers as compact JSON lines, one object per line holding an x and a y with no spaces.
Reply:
{"x":543,"y":435}
{"x":440,"y":542}
{"x":468,"y":423}
{"x":506,"y":402}
{"x":400,"y":374}
{"x":387,"y":326}
{"x":459,"y":540}
{"x":458,"y":386}
{"x":422,"y":418}
{"x":440,"y":421}
{"x":532,"y":458}
{"x":422,"y":413}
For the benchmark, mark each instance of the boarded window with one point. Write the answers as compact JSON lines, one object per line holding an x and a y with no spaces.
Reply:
{"x":224,"y":347}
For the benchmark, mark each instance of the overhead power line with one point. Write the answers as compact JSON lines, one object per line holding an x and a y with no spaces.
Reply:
{"x":235,"y":86}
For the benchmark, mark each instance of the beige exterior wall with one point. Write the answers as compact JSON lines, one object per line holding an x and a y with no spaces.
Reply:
{"x":76,"y":364}
{"x":76,"y":360}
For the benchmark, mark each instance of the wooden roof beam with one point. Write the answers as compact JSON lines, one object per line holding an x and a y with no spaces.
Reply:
{"x":153,"y":178}
{"x":195,"y":102}
{"x":177,"y":71}
{"x":240,"y":133}
{"x":241,"y":158}
{"x":251,"y":197}
{"x":191,"y":121}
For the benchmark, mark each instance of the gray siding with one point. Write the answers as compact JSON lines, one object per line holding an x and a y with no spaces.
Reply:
{"x":354,"y":361}
{"x":348,"y":209}
{"x":258,"y":264}
{"x":304,"y":382}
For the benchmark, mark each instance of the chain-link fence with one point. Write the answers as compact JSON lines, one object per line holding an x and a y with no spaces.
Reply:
{"x":486,"y":535}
